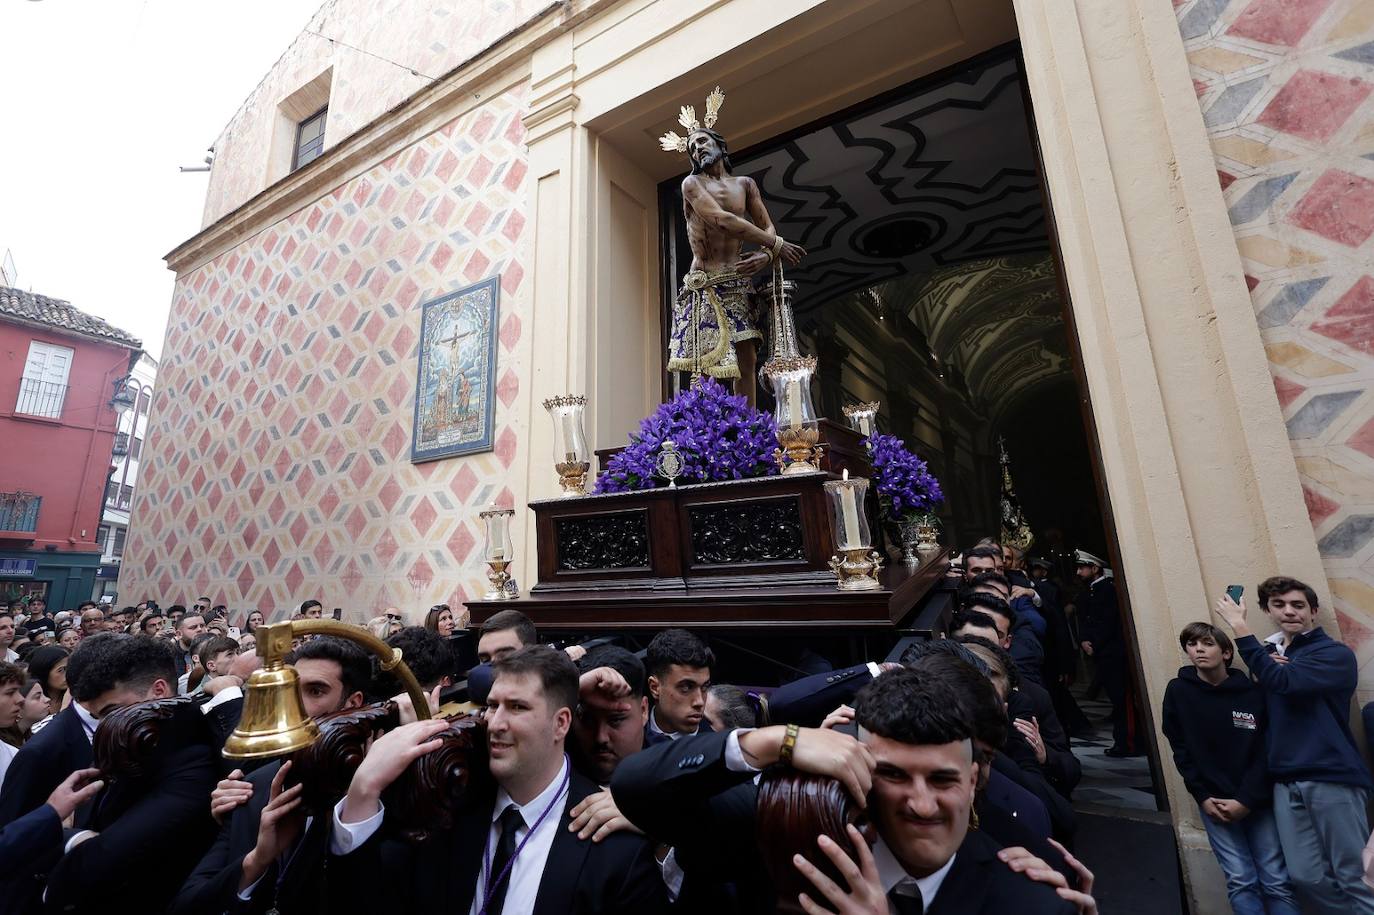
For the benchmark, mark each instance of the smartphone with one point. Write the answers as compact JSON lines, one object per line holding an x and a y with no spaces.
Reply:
{"x":234,"y":633}
{"x":1234,"y":592}
{"x":338,"y":613}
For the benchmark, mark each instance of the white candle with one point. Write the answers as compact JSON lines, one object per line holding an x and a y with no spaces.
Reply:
{"x":569,"y":435}
{"x":496,"y":530}
{"x":849,"y":508}
{"x":794,"y":402}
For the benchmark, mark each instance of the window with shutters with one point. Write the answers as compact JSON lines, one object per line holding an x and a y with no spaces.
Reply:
{"x":43,"y":388}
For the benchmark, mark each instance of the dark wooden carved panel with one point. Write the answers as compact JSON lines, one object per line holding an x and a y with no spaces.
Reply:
{"x":127,"y":741}
{"x":759,"y":530}
{"x":326,"y":767}
{"x":793,"y":809}
{"x":426,"y":799}
{"x":615,"y":540}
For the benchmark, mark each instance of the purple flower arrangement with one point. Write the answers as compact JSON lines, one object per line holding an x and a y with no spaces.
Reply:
{"x":906,"y":487}
{"x":719,"y":436}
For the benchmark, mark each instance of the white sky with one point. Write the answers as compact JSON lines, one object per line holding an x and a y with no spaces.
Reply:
{"x":100,"y":101}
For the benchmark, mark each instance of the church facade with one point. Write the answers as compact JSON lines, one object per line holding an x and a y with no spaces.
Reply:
{"x":1208,"y":192}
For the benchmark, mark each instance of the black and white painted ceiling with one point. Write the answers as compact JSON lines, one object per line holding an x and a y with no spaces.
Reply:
{"x":931,"y":201}
{"x":941,"y":176}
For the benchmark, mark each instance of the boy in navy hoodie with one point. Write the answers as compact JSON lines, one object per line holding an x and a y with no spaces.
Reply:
{"x":1320,"y":781}
{"x":1214,"y":719}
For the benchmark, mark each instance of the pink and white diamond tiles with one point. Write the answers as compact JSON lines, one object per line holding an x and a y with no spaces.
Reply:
{"x":1285,"y":89}
{"x":277,"y":467}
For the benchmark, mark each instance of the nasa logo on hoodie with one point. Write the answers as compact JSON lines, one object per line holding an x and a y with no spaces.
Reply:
{"x":1244,"y":720}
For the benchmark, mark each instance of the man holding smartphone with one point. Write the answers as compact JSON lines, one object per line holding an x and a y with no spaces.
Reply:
{"x":1321,"y":784}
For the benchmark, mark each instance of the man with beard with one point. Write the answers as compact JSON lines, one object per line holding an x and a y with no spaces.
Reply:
{"x":713,"y":312}
{"x":608,"y":727}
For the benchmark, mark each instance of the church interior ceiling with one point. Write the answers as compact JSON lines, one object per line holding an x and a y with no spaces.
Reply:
{"x":929,"y":204}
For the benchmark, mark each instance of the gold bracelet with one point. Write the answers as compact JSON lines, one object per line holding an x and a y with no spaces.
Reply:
{"x":789,"y":744}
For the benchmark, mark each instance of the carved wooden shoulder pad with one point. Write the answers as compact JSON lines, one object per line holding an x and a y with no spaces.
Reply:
{"x":326,"y":767}
{"x":127,"y":739}
{"x":428,"y":796}
{"x":793,"y":810}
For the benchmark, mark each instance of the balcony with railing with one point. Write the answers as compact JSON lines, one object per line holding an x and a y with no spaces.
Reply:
{"x":40,"y":398}
{"x":19,"y":515}
{"x":121,"y":446}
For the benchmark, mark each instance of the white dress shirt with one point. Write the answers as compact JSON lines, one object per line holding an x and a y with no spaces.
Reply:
{"x":7,"y":752}
{"x":221,"y":697}
{"x":671,"y":735}
{"x":528,"y":870}
{"x":893,"y":876}
{"x":88,"y":721}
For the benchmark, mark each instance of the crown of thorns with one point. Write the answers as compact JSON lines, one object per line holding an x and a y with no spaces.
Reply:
{"x":687,"y":117}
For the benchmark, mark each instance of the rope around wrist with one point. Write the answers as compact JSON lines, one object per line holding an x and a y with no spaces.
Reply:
{"x":789,"y":745}
{"x":778,"y":242}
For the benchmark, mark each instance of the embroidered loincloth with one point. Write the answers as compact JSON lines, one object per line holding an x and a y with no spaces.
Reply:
{"x":713,"y":312}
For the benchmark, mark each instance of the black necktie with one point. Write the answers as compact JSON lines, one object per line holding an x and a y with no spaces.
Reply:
{"x":906,"y":905}
{"x":511,"y":820}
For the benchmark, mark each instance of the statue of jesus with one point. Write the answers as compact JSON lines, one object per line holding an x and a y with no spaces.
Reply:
{"x":715,"y":331}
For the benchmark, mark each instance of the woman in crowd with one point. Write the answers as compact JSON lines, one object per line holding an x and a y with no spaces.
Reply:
{"x":49,"y":667}
{"x":37,"y":708}
{"x":33,"y":708}
{"x":68,"y":636}
{"x":440,"y":620}
{"x":251,"y":624}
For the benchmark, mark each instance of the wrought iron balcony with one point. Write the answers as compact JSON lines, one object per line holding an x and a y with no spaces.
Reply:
{"x":40,"y":398}
{"x":19,"y":511}
{"x":121,"y":446}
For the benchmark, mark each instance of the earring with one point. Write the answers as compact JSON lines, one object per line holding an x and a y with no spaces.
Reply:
{"x":973,"y":818}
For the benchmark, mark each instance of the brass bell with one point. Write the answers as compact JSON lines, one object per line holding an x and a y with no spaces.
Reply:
{"x":273,"y":722}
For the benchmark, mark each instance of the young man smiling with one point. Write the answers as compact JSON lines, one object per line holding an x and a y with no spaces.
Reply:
{"x":1321,"y":784}
{"x":511,"y":849}
{"x":913,"y":768}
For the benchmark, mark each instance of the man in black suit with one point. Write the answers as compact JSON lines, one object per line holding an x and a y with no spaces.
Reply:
{"x":807,"y":701}
{"x":33,"y":842}
{"x":103,"y":867}
{"x":243,"y":871}
{"x":60,"y":748}
{"x":511,"y":850}
{"x":679,"y":668}
{"x":917,"y":759}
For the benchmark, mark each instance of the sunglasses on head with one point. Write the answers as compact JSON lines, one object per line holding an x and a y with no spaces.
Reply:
{"x":393,"y":616}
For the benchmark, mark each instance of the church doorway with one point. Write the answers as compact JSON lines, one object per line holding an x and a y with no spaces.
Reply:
{"x":932,"y":285}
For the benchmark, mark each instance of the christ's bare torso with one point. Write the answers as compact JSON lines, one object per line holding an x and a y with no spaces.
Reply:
{"x":714,"y":250}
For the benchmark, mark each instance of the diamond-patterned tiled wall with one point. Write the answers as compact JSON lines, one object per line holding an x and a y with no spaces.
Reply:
{"x":1285,"y":90}
{"x":277,"y":464}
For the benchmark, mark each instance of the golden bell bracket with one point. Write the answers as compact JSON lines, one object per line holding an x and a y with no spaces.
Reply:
{"x":274,"y":722}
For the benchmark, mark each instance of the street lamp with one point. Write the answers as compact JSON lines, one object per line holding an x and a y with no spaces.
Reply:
{"x":123,"y":399}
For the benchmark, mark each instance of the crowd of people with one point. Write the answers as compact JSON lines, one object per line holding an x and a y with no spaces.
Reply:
{"x":626,"y":779}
